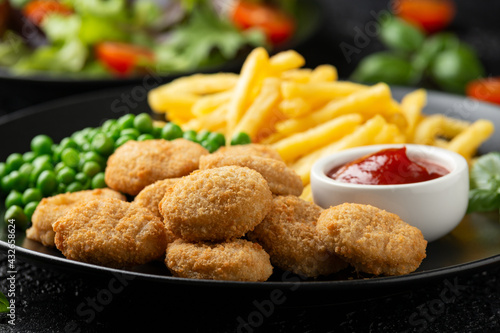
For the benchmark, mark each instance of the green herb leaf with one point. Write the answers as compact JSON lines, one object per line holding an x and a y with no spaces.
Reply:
{"x":4,"y":303}
{"x":484,"y":194}
{"x":483,"y":200}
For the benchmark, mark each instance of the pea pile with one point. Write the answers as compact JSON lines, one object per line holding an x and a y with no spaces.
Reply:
{"x":78,"y":162}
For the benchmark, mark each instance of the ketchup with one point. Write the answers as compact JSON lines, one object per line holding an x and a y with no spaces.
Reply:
{"x":387,"y":167}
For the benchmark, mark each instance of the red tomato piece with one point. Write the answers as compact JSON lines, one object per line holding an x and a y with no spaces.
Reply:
{"x":487,"y":89}
{"x":36,"y":10}
{"x":123,"y":58}
{"x":430,"y":15}
{"x":275,"y":23}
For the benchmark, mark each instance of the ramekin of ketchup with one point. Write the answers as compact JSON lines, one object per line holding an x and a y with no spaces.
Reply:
{"x":426,"y":186}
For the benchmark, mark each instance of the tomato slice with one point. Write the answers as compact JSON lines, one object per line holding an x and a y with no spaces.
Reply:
{"x":430,"y":15}
{"x":123,"y":58}
{"x":36,"y":10}
{"x":275,"y":23}
{"x":487,"y":89}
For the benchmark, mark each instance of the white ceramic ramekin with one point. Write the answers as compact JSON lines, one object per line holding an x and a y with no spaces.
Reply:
{"x":435,"y":207}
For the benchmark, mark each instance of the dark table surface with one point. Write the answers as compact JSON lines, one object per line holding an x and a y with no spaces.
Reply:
{"x":51,"y":300}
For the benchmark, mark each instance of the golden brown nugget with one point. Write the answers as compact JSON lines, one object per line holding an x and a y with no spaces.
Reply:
{"x":255,"y":149}
{"x":50,"y":209}
{"x":216,"y":204}
{"x":112,"y":233}
{"x":237,"y":260}
{"x":288,"y":233}
{"x":137,"y":164}
{"x":282,"y":180}
{"x":372,"y":240}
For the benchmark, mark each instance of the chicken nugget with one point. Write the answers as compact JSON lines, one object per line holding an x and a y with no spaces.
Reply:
{"x":51,"y":208}
{"x":237,"y":260}
{"x":112,"y":233}
{"x":137,"y":164}
{"x":282,"y":180}
{"x":288,"y":233}
{"x":254,"y":149}
{"x":372,"y":240}
{"x":151,"y":196}
{"x":216,"y":204}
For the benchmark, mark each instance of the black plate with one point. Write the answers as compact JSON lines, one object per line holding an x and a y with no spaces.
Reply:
{"x":472,"y":245}
{"x":20,"y":91}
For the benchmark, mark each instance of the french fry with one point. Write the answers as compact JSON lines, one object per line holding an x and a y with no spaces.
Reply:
{"x":324,"y":73}
{"x":295,"y":107}
{"x":215,"y":121}
{"x":307,"y":193}
{"x":427,"y":129}
{"x":362,"y":135}
{"x":300,"y":144}
{"x":451,"y":127}
{"x":468,"y":141}
{"x":368,"y":102}
{"x":299,"y":75}
{"x":166,"y":100}
{"x":285,"y":61}
{"x":261,"y":110}
{"x":389,"y":134}
{"x":411,"y":106}
{"x":320,"y":90}
{"x":203,"y":84}
{"x":209,"y":103}
{"x":256,"y":63}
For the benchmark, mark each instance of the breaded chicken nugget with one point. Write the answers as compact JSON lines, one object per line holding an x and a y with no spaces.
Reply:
{"x":255,"y":149}
{"x":112,"y":233}
{"x":50,"y":209}
{"x":282,"y":180}
{"x":151,"y":196}
{"x":372,"y":240}
{"x":137,"y":164}
{"x":216,"y":204}
{"x":237,"y":260}
{"x":288,"y":233}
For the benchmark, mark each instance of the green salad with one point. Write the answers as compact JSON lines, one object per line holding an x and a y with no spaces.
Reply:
{"x":123,"y":38}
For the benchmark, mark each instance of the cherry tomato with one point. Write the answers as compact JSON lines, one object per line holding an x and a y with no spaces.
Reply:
{"x":123,"y":58}
{"x":275,"y":23}
{"x":487,"y":89}
{"x":430,"y":15}
{"x":36,"y":10}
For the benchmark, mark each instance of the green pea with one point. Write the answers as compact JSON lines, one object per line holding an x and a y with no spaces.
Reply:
{"x":16,"y":213}
{"x":121,"y":140}
{"x":66,"y":175}
{"x":202,"y":135}
{"x":157,"y":132}
{"x":68,"y":143}
{"x":61,"y":188}
{"x":83,"y":179}
{"x":74,"y":187}
{"x":144,"y":137}
{"x":130,"y":132}
{"x":7,"y":183}
{"x":171,"y":131}
{"x":59,"y":166}
{"x":14,"y":198}
{"x":37,"y":170}
{"x":20,"y":181}
{"x":211,"y":146}
{"x":241,"y":138}
{"x":103,"y":144}
{"x":93,"y":156}
{"x":14,"y":161}
{"x":385,"y":67}
{"x":126,"y":121}
{"x":109,"y":124}
{"x":47,"y":182}
{"x":29,"y":156}
{"x":218,"y":138}
{"x":32,"y":194}
{"x":399,"y":35}
{"x":143,"y":123}
{"x":30,"y":208}
{"x":70,"y":157}
{"x":3,"y":169}
{"x":98,"y":181}
{"x":91,"y":168}
{"x":56,"y":154}
{"x":42,"y":144}
{"x":190,"y":135}
{"x":42,"y":159}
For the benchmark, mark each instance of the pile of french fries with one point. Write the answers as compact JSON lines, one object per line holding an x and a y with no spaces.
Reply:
{"x":306,"y":113}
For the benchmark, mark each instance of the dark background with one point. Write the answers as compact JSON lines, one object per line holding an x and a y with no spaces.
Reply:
{"x":467,"y":302}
